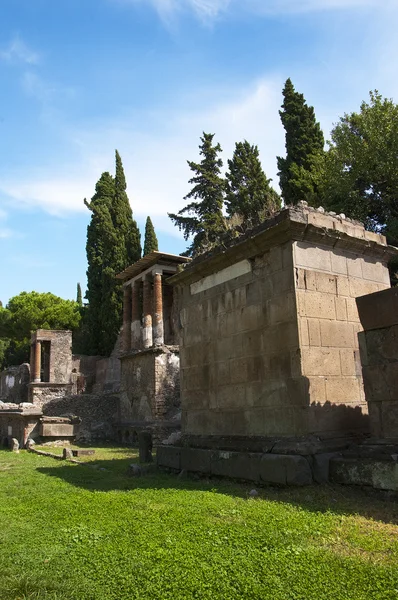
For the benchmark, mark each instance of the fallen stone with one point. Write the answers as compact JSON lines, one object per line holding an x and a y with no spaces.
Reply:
{"x":67,"y":454}
{"x":14,"y":446}
{"x":145,"y":446}
{"x":253,"y":493}
{"x":135,"y":470}
{"x":83,"y":452}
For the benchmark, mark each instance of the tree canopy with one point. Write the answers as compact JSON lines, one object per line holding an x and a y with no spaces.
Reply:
{"x":202,"y":218}
{"x":248,"y":191}
{"x":30,"y":311}
{"x":300,"y":171}
{"x":361,"y":168}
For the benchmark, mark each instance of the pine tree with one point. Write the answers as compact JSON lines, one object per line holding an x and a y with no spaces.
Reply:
{"x":300,"y":171}
{"x":202,"y":218}
{"x":79,"y":295}
{"x":151,"y":241}
{"x":248,"y":191}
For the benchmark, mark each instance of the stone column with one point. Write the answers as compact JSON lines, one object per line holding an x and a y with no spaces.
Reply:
{"x":126,"y":318}
{"x":147,"y":320}
{"x":32,"y":362}
{"x":37,"y":363}
{"x":158,"y":331}
{"x":135,"y":316}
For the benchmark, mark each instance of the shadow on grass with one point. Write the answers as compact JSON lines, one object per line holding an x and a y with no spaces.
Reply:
{"x":111,"y":475}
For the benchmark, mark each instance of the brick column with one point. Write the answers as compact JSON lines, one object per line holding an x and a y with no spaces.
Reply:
{"x":135,"y":316}
{"x":37,"y":363}
{"x":158,"y":331}
{"x":147,"y":309}
{"x":126,"y":318}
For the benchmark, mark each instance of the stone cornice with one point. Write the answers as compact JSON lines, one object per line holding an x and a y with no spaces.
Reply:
{"x":301,"y":224}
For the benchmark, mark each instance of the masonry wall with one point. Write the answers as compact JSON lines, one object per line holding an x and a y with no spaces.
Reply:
{"x":327,"y":282}
{"x":240,"y":351}
{"x":61,"y":363}
{"x":150,"y":388}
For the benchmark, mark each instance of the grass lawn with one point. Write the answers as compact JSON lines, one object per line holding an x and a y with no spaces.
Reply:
{"x":93,"y":533}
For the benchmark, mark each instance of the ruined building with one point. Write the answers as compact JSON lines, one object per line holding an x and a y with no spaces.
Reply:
{"x":149,"y":388}
{"x":270,"y":364}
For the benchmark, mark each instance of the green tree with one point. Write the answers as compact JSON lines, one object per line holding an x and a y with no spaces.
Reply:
{"x":128,"y":234}
{"x":79,"y":298}
{"x":151,"y":241}
{"x":248,"y":191}
{"x":300,"y":172}
{"x":113,"y":243}
{"x":100,"y":238}
{"x":202,"y":218}
{"x":361,"y":172}
{"x":30,"y":311}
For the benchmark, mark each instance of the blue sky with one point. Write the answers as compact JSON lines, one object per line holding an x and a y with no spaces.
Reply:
{"x":83,"y":77}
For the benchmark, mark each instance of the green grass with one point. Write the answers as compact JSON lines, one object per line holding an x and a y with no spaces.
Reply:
{"x":90,"y":532}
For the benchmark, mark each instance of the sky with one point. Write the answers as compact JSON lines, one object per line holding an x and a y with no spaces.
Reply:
{"x":81,"y":78}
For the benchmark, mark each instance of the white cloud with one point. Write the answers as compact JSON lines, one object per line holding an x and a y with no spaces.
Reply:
{"x":155,"y":163}
{"x":18,"y":51}
{"x":209,"y":10}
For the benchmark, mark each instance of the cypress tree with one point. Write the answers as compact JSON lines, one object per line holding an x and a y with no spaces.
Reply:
{"x":129,"y":239}
{"x":202,"y":218}
{"x":248,"y":191}
{"x":79,"y":295}
{"x":100,"y":235}
{"x":300,"y":171}
{"x":151,"y":241}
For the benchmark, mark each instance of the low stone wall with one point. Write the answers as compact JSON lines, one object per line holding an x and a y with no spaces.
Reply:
{"x":14,"y":383}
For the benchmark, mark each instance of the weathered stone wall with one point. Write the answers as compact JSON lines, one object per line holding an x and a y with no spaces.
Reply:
{"x":327,"y":282}
{"x":60,"y":353}
{"x":379,"y":356}
{"x":239,"y":344}
{"x":14,"y":383}
{"x":98,"y":412}
{"x":268,"y":329}
{"x":41,"y":394}
{"x":150,"y":385}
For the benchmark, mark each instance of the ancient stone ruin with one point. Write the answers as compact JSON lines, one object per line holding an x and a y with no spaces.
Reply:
{"x":271,"y":379}
{"x":149,"y":388}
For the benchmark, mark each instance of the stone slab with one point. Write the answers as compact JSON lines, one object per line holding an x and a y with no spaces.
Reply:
{"x":378,"y":474}
{"x":169,"y":456}
{"x":236,"y":465}
{"x":57,"y":430}
{"x":379,"y":309}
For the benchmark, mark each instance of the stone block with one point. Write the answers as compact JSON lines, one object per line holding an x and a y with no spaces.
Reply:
{"x":314,"y":332}
{"x":307,"y":255}
{"x":57,"y":430}
{"x":320,"y":361}
{"x":375,"y":271}
{"x":342,"y":390}
{"x":354,"y":266}
{"x":381,"y":475}
{"x":252,"y":342}
{"x":339,"y":262}
{"x":379,"y":310}
{"x":326,"y":283}
{"x":337,"y":334}
{"x":343,"y":286}
{"x":320,"y":466}
{"x":169,"y":456}
{"x":196,"y":459}
{"x":281,"y":308}
{"x":317,"y":390}
{"x":238,"y":370}
{"x":285,"y":470}
{"x":352,"y":311}
{"x":239,"y":465}
{"x":389,"y":419}
{"x":303,"y":332}
{"x":350,"y":364}
{"x":362,"y":287}
{"x":341,"y":308}
{"x":320,"y":306}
